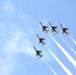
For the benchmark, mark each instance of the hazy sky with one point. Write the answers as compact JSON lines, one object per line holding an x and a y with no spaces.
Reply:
{"x":19,"y":23}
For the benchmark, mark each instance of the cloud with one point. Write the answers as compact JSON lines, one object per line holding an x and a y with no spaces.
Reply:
{"x":8,"y":64}
{"x":16,"y":45}
{"x":17,"y":29}
{"x":7,"y":7}
{"x":19,"y":44}
{"x":4,"y":70}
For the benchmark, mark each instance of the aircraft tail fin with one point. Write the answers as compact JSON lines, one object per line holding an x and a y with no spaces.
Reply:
{"x":40,"y":55}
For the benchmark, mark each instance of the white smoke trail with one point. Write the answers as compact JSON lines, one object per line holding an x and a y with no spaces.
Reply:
{"x":49,"y":67}
{"x":60,"y":63}
{"x":68,"y":45}
{"x":72,"y":39}
{"x":65,"y":52}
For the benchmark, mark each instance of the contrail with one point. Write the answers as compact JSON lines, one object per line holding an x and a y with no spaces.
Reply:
{"x":65,"y":52}
{"x":72,"y":39}
{"x":60,"y":63}
{"x":68,"y":45}
{"x":49,"y":67}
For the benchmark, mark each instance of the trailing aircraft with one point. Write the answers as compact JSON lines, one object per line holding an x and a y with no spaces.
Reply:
{"x":54,"y":28}
{"x":41,"y":40}
{"x":64,"y":30}
{"x":38,"y":52}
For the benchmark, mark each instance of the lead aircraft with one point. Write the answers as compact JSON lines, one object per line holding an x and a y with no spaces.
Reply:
{"x":44,"y":28}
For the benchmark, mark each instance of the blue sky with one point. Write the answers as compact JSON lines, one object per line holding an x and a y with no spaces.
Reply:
{"x":19,"y":21}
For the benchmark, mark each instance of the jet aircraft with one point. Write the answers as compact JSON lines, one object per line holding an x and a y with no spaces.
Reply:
{"x":38,"y":52}
{"x":64,"y":29}
{"x":54,"y":28}
{"x":41,"y":40}
{"x":44,"y":28}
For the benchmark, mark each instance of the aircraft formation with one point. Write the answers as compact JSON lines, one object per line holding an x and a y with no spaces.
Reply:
{"x":45,"y":29}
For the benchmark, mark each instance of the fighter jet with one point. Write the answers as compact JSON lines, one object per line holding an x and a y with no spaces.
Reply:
{"x":64,"y":29}
{"x":44,"y":28}
{"x":54,"y":28}
{"x":38,"y":52}
{"x":41,"y":40}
